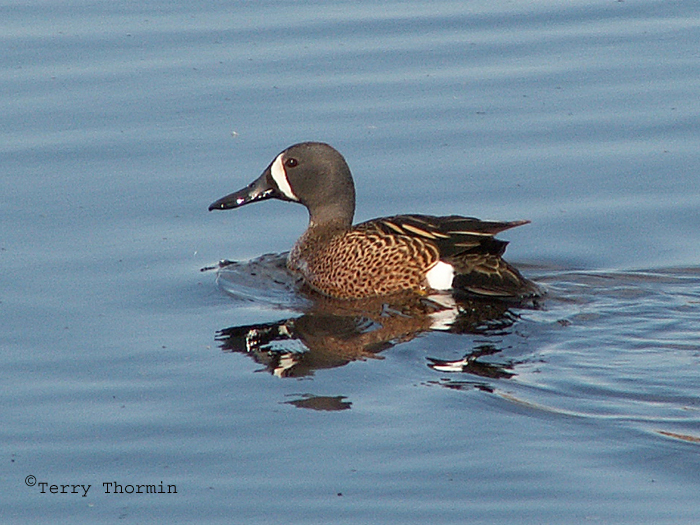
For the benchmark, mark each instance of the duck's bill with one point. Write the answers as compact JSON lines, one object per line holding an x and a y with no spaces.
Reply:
{"x":258,"y":190}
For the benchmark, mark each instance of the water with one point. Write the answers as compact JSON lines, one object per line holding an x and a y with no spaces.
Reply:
{"x":121,"y":123}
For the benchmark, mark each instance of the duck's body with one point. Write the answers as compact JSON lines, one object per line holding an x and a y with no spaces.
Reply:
{"x":406,"y":252}
{"x":382,"y":256}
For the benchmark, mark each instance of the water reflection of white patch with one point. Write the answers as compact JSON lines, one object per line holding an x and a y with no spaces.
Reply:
{"x":444,"y":318}
{"x":285,"y":362}
{"x":451,"y":366}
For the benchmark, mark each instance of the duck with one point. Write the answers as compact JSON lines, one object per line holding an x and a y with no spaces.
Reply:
{"x":383,"y":256}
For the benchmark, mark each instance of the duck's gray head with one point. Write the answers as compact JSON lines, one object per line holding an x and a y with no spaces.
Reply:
{"x":311,"y":173}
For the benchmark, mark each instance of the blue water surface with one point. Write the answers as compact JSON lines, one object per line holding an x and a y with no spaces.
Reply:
{"x":121,"y":122}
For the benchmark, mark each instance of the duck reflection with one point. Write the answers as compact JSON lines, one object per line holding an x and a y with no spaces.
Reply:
{"x":321,"y":403}
{"x":331,"y":333}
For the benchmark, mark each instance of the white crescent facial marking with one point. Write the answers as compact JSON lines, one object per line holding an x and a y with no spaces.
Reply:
{"x":440,"y":276}
{"x":280,"y":177}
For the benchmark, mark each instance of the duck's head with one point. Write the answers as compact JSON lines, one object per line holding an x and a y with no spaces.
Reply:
{"x":311,"y":173}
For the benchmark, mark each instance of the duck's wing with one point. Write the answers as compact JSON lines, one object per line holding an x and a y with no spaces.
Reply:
{"x":490,"y":275}
{"x":453,"y":235}
{"x":468,"y":244}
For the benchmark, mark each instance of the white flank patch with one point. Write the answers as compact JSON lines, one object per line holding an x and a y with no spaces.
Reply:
{"x":280,"y":177}
{"x":440,"y":276}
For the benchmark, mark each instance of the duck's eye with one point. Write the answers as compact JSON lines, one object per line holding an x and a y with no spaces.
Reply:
{"x":291,"y":163}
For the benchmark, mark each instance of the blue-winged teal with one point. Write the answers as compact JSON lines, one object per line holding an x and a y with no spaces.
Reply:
{"x":381,"y":256}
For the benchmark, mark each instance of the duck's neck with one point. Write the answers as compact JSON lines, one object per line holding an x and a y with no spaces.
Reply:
{"x":332,"y":216}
